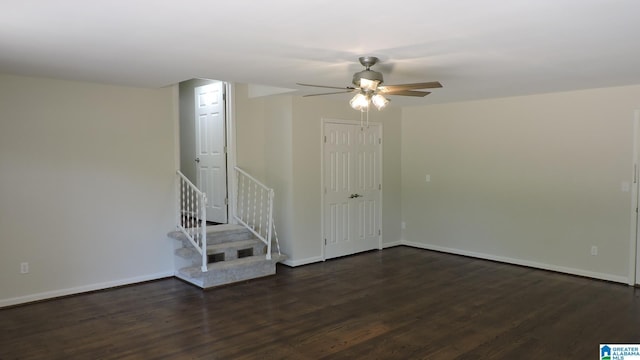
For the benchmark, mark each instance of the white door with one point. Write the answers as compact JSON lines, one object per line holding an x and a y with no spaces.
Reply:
{"x":352,"y":188}
{"x":211,"y":167}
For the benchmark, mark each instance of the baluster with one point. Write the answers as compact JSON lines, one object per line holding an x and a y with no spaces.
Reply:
{"x":261,"y":208}
{"x":186,"y":206}
{"x":198,"y":220}
{"x":255,"y":205}
{"x":247,"y":199}
{"x":239,"y":198}
{"x":190,"y":205}
{"x":240,"y":195}
{"x":182,"y":202}
{"x":201,"y":221}
{"x":244,"y":198}
{"x":248,"y":202}
{"x":187,"y":224}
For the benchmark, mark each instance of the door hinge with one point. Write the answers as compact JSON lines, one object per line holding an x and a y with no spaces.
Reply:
{"x":226,"y":201}
{"x":379,"y":186}
{"x":224,"y":96}
{"x":379,"y":232}
{"x":325,"y":242}
{"x":225,"y":149}
{"x":379,"y":140}
{"x":325,"y":139}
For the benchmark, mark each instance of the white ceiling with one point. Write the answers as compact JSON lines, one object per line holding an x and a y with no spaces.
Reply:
{"x":475,"y":48}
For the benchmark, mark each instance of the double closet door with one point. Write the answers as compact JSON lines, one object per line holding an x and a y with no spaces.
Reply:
{"x":352,"y":188}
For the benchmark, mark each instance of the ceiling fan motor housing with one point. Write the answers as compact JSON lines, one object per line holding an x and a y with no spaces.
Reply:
{"x":367,"y":74}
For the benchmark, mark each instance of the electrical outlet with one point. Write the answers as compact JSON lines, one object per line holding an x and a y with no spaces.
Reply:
{"x":24,"y":268}
{"x":594,"y":250}
{"x":625,"y":187}
{"x":427,"y":178}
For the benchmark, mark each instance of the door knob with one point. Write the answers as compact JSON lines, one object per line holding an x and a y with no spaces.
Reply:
{"x":197,"y":160}
{"x":353,"y":196}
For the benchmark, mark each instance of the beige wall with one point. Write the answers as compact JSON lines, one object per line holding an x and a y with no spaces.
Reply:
{"x":278,"y":154}
{"x":535,"y":180}
{"x":87,"y":173}
{"x":264,"y":149}
{"x":307,"y":146}
{"x":250,"y":132}
{"x":278,"y":139}
{"x":86,"y":186}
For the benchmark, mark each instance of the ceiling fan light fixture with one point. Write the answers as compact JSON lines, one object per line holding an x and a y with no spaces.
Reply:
{"x":366,"y":75}
{"x":368,"y":85}
{"x":379,"y":101}
{"x":359,"y":102}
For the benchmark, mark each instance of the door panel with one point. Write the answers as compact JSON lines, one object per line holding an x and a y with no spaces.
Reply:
{"x":339,"y":178}
{"x":352,"y":188}
{"x":210,"y":149}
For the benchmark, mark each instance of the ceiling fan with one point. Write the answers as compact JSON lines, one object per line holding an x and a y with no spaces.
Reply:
{"x":369,"y":89}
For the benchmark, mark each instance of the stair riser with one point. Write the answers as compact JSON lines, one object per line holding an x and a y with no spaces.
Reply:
{"x":229,"y":272}
{"x":230,"y":253}
{"x":194,"y":281}
{"x":229,"y":276}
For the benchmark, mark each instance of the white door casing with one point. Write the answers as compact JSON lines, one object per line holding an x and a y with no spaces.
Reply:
{"x":211,"y":167}
{"x":351,"y":188}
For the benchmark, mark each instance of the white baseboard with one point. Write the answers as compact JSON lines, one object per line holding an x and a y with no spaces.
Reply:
{"x":311,"y":260}
{"x":81,"y":289}
{"x":392,"y":244}
{"x":533,"y":264}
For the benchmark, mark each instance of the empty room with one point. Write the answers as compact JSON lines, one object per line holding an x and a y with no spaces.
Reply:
{"x":322,"y":179}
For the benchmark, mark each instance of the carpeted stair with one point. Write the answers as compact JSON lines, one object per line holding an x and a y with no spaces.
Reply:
{"x":234,"y":254}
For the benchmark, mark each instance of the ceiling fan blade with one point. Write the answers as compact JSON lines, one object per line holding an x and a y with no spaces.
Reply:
{"x":423,"y":85}
{"x":329,"y":93}
{"x":408,"y":93}
{"x":328,"y":87}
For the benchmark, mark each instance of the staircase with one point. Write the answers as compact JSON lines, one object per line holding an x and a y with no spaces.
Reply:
{"x":233,"y":254}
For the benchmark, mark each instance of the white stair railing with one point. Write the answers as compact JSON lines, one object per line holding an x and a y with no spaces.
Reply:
{"x":254,"y":208}
{"x":192,"y":215}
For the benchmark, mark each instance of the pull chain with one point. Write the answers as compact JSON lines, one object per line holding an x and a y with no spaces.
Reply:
{"x":367,"y":117}
{"x":362,"y":115}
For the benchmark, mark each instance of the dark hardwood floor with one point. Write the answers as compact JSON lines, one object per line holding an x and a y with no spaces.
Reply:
{"x":399,"y":303}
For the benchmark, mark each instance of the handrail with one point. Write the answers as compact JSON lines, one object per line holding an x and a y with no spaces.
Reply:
{"x":252,"y":178}
{"x":192,"y":215}
{"x":252,"y":211}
